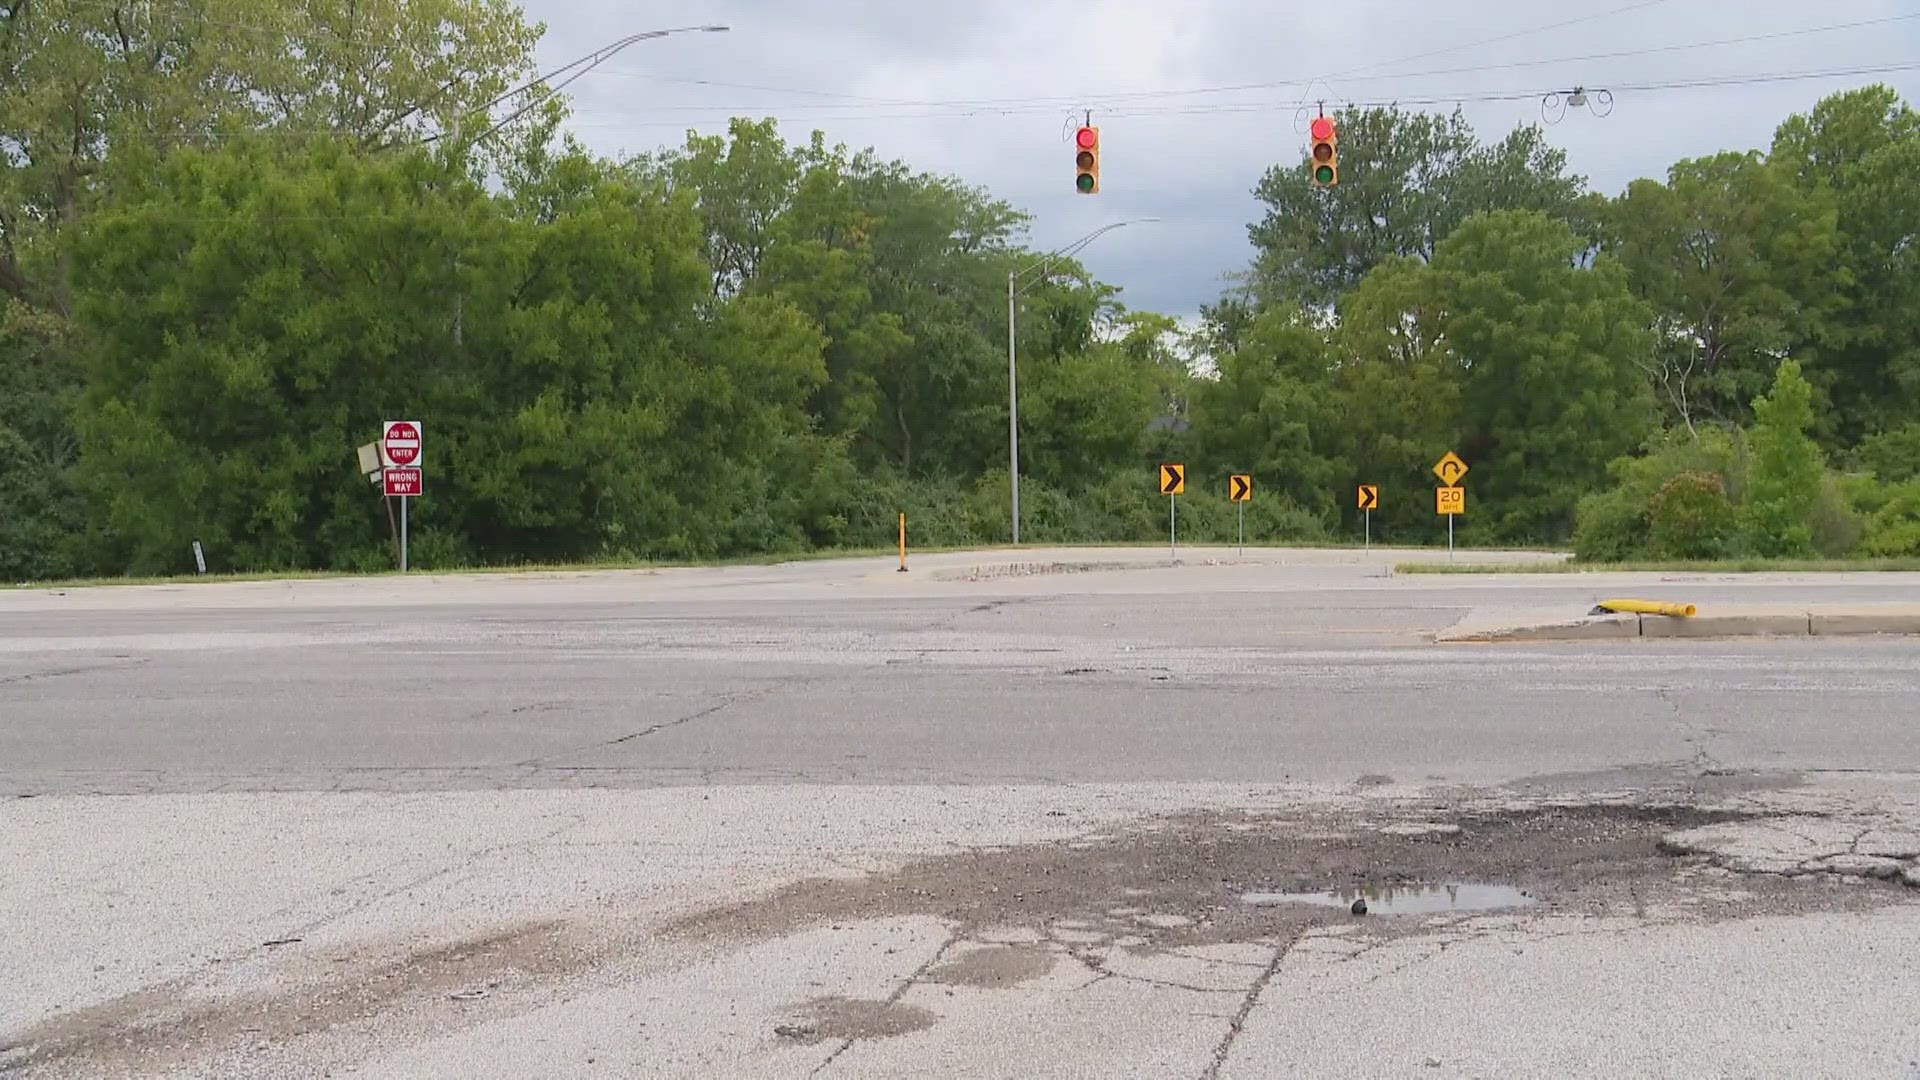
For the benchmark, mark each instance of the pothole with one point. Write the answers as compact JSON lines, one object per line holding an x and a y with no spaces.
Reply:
{"x":994,"y":967}
{"x":1416,"y":899}
{"x":836,"y":1019}
{"x":1182,"y":881}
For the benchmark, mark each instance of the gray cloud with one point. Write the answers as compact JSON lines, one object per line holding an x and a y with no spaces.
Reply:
{"x":862,"y":71}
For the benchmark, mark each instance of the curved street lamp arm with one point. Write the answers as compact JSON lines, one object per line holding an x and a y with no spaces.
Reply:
{"x":1039,"y":267}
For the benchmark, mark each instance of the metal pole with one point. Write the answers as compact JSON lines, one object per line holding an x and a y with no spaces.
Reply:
{"x":1243,"y":530}
{"x":403,"y":533}
{"x":1369,"y":530}
{"x":1173,"y":543}
{"x":1449,"y":538}
{"x":1013,"y":411}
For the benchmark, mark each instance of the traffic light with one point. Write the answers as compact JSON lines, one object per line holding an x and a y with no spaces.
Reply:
{"x":1086,"y":160}
{"x":1326,"y":152}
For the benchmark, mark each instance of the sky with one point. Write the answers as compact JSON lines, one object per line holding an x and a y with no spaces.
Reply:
{"x":1197,"y":98}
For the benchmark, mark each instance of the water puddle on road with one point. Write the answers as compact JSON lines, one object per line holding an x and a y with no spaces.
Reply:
{"x":1404,"y":899}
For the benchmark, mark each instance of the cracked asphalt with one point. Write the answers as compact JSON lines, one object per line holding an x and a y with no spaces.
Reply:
{"x":993,"y":817}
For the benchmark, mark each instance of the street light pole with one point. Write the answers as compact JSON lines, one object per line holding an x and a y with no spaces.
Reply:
{"x":1037,"y":268}
{"x":584,"y":64}
{"x":1013,"y":406}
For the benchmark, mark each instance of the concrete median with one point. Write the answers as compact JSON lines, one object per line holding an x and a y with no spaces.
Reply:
{"x":1855,"y":620}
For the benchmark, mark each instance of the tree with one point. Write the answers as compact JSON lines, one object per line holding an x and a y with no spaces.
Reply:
{"x":904,"y":271}
{"x":1398,"y":386}
{"x":39,"y":506}
{"x":582,"y":393}
{"x":1863,"y":147}
{"x":1736,"y":261}
{"x":1271,"y":410}
{"x":1785,"y":476}
{"x":1407,"y":181}
{"x":1550,"y":392}
{"x":127,"y":81}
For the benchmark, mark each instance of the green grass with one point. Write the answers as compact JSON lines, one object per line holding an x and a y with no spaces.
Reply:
{"x":1723,"y":566}
{"x":515,"y":568}
{"x":678,"y":564}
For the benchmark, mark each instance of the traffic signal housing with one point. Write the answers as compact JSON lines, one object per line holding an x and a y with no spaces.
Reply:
{"x":1326,"y":152}
{"x":1086,"y":160}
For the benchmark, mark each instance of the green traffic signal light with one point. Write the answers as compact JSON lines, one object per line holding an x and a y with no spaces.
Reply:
{"x":1324,"y":174}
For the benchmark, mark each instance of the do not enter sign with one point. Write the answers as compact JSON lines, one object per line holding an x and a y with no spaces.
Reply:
{"x":400,"y":440}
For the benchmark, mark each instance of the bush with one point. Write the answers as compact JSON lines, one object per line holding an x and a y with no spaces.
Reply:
{"x":1894,"y":532}
{"x":1836,"y":526}
{"x":1893,"y":456}
{"x":1690,"y":517}
{"x":1614,"y":525}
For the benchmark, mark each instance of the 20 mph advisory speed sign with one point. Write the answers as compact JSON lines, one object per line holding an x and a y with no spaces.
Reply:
{"x":400,"y":439}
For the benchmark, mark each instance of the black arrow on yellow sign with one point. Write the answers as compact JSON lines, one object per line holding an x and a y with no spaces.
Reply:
{"x":1173,"y":479}
{"x":1369,"y":496}
{"x":1240,"y":488}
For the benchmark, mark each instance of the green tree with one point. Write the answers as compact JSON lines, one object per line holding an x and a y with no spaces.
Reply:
{"x":904,"y":271}
{"x":129,"y":80}
{"x":1550,"y":391}
{"x":40,"y":507}
{"x":256,"y":314}
{"x":1785,"y":477}
{"x":1736,"y":262}
{"x":1397,"y":388}
{"x":1407,"y":181}
{"x":1863,"y":147}
{"x":1272,"y":412}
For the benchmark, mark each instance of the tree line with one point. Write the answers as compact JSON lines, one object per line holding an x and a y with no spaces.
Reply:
{"x":235,"y":235}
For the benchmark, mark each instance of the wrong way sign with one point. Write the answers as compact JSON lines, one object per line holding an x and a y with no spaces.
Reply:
{"x":404,"y":482}
{"x":400,"y":442}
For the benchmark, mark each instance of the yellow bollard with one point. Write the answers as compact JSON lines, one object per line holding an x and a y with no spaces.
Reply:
{"x":1647,"y":607}
{"x":903,"y":543}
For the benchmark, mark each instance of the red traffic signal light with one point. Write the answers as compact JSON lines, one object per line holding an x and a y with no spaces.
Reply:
{"x":1086,"y":160}
{"x":1326,"y":152}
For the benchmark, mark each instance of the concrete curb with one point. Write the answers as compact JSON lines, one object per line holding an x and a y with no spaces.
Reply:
{"x":1827,"y":621}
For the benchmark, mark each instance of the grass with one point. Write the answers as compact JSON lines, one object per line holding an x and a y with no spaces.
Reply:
{"x":1721,"y":566}
{"x":515,"y":568}
{"x":679,"y":564}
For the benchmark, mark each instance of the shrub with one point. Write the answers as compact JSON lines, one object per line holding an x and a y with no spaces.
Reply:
{"x":1614,"y":526}
{"x":1690,"y":517}
{"x":1893,"y":456}
{"x":1894,"y":532}
{"x":1836,"y":526}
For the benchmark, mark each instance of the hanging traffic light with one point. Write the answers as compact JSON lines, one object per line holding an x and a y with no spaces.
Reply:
{"x":1326,"y":152}
{"x":1086,"y":160}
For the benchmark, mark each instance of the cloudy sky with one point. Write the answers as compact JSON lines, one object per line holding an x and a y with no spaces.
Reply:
{"x":1196,"y":98}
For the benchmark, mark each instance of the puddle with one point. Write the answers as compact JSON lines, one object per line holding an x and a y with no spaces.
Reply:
{"x":1405,"y":899}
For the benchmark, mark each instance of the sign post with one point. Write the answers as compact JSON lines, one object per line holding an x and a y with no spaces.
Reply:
{"x":1369,"y":501}
{"x":400,"y":456}
{"x":1240,"y":491}
{"x":1173,"y":482}
{"x":1450,"y":501}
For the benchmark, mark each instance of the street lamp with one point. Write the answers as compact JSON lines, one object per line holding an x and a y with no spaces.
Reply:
{"x":585,"y":64}
{"x":1037,"y":269}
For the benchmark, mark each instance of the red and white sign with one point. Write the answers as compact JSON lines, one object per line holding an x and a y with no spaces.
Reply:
{"x":404,"y":482}
{"x":400,"y":440}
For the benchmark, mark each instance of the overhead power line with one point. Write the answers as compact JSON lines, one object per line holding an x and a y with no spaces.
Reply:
{"x":846,"y":101}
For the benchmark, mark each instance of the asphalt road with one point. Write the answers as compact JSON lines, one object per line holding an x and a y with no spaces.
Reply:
{"x":1291,"y":666}
{"x":993,"y":817}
